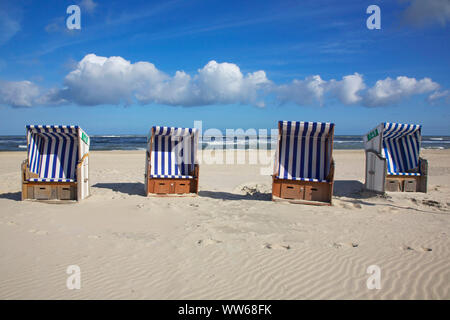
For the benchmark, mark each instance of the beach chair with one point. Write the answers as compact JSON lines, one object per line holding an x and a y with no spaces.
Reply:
{"x":57,"y":165}
{"x":171,"y":166}
{"x":393,"y":160}
{"x":304,"y":166}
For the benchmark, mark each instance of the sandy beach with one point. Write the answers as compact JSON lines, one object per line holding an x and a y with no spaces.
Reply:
{"x":230,"y":242}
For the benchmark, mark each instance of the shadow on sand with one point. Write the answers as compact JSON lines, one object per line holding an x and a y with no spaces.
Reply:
{"x":16,"y":196}
{"x":354,"y":189}
{"x":347,"y":188}
{"x":342,"y":188}
{"x":130,"y":188}
{"x":235,"y":196}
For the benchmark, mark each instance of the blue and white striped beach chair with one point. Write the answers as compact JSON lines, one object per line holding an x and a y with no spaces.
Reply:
{"x":304,"y":166}
{"x":393,"y":160}
{"x":57,"y":165}
{"x":171,"y":161}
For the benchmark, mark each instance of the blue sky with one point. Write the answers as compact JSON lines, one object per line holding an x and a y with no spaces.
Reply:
{"x":231,"y":64}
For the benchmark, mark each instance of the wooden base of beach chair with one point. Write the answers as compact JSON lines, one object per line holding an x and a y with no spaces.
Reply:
{"x":172,"y":187}
{"x":304,"y":192}
{"x":49,"y":191}
{"x":409,"y":183}
{"x":45,"y":191}
{"x":405,"y":183}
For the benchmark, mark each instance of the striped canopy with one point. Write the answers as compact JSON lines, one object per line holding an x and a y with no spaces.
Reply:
{"x":304,"y":150}
{"x":53,"y":152}
{"x":174,"y":152}
{"x":401,"y":148}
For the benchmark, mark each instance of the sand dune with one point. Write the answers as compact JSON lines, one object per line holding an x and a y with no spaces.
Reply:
{"x":230,"y":242}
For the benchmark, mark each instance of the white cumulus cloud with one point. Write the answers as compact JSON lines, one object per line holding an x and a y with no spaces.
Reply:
{"x":18,"y":93}
{"x":313,"y":90}
{"x":97,"y":80}
{"x":302,"y":92}
{"x":390,"y":91}
{"x":347,"y":90}
{"x":100,"y":80}
{"x":114,"y":80}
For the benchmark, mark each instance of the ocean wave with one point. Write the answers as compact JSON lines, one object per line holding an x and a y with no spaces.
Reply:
{"x":12,"y":141}
{"x":439,"y":142}
{"x":435,"y":148}
{"x":348,"y":141}
{"x":136,"y":142}
{"x":107,"y":136}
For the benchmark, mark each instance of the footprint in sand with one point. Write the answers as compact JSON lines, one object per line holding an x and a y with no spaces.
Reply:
{"x":277,"y":246}
{"x":423,"y":249}
{"x":11,"y":223}
{"x":136,"y":236}
{"x":94,"y":237}
{"x":432,"y":203}
{"x":38,"y":232}
{"x":344,"y":205}
{"x":207,"y":242}
{"x":350,"y":206}
{"x":339,"y":245}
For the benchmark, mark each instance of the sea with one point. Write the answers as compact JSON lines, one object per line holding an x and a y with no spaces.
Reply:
{"x":138,"y":142}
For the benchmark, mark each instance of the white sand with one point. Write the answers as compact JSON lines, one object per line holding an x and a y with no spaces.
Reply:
{"x":224,"y":243}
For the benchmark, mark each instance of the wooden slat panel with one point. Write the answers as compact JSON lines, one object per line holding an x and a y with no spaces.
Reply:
{"x":304,"y":191}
